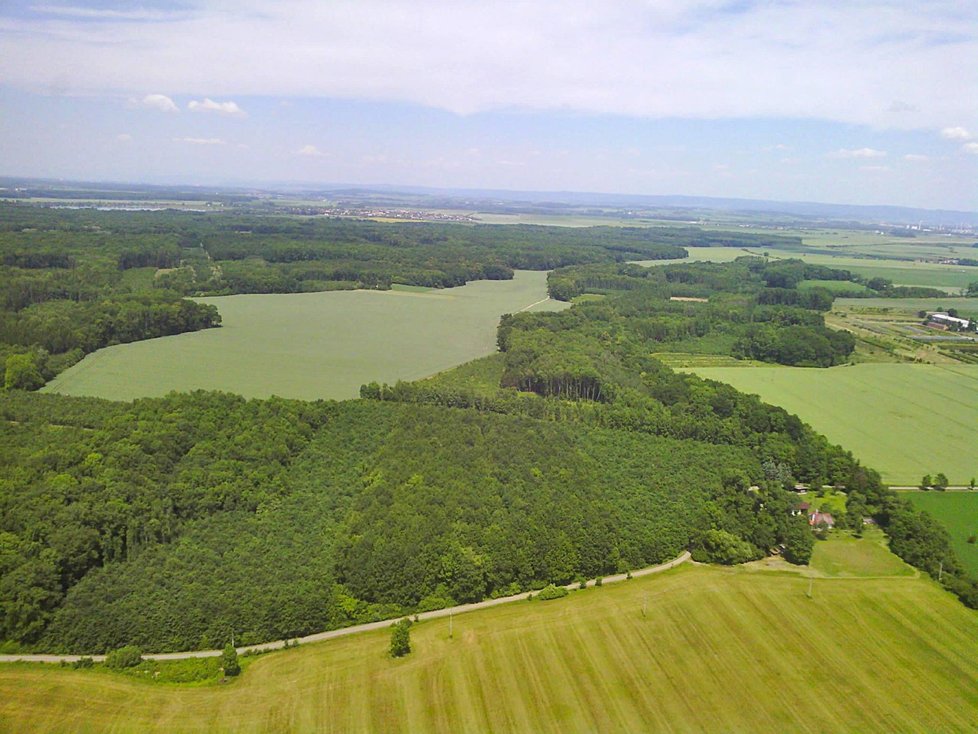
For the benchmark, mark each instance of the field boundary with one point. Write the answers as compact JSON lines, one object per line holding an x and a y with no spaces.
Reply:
{"x":355,"y":629}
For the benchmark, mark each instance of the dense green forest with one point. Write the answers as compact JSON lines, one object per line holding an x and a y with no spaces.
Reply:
{"x":172,"y":523}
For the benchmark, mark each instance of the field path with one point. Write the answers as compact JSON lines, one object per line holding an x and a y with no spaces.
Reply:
{"x":342,"y":632}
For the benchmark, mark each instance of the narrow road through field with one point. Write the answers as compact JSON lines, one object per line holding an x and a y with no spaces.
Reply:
{"x":330,"y":634}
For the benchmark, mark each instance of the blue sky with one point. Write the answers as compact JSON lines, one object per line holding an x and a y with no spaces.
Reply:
{"x":868,"y":102}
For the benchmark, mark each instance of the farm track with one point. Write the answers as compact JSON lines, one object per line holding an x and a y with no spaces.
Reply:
{"x":344,"y":631}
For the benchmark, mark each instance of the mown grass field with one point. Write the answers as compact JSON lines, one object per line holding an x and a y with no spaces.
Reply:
{"x":905,"y":420}
{"x":844,"y":556}
{"x":313,"y":345}
{"x":958,"y":512}
{"x":901,"y":272}
{"x":729,"y":650}
{"x":966,"y":307}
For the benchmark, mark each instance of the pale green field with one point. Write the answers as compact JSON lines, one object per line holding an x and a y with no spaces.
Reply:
{"x":901,"y":272}
{"x":844,"y":556}
{"x":967,"y":307}
{"x":313,"y":345}
{"x":717,"y":650}
{"x":904,"y":420}
{"x":958,"y":512}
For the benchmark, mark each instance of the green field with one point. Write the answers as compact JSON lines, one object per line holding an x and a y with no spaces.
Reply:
{"x":844,"y":556}
{"x":905,"y":420}
{"x":892,"y":654}
{"x":958,"y":512}
{"x":966,"y":307}
{"x":901,"y":272}
{"x":313,"y":345}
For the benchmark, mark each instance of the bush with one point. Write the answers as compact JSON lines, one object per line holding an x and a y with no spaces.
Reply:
{"x":552,"y":592}
{"x":229,"y":661}
{"x":400,"y":638}
{"x":598,"y":581}
{"x":719,"y":546}
{"x":125,"y":657}
{"x":83,"y":663}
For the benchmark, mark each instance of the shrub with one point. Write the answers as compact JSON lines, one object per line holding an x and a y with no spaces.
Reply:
{"x":719,"y":546}
{"x":400,"y":638}
{"x":125,"y":657}
{"x":229,"y":661}
{"x":552,"y":592}
{"x":83,"y":663}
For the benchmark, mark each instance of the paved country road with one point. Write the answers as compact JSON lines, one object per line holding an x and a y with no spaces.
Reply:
{"x":330,"y":634}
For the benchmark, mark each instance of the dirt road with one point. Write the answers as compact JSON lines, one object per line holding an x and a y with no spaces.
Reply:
{"x":330,"y":634}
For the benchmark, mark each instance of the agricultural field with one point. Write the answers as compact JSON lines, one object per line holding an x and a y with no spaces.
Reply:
{"x":952,"y":278}
{"x":905,"y":420}
{"x":843,"y":556}
{"x":958,"y":512}
{"x":681,"y":651}
{"x":966,"y":307}
{"x":313,"y":345}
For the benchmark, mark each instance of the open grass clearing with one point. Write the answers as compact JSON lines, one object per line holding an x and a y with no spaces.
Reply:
{"x":590,"y":662}
{"x":313,"y":345}
{"x":905,"y":420}
{"x":845,"y":556}
{"x":958,"y":512}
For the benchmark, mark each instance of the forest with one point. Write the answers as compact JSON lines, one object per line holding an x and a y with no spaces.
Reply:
{"x":73,"y":281}
{"x":173,"y":523}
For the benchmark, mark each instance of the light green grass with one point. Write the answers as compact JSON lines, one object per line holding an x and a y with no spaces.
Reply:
{"x":685,"y":359}
{"x":313,"y":345}
{"x":966,"y":307}
{"x":905,"y":420}
{"x":843,"y":556}
{"x":901,"y":272}
{"x":728,"y":650}
{"x":958,"y":512}
{"x":836,"y":286}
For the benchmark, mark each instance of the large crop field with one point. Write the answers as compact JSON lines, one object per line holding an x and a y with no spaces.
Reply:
{"x":904,"y":420}
{"x":966,"y":307}
{"x":901,"y":272}
{"x":698,"y":649}
{"x":313,"y":345}
{"x":958,"y":512}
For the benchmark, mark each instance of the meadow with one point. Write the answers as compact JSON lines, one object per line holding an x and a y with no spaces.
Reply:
{"x":682,"y":651}
{"x":901,"y":272}
{"x":313,"y":345}
{"x":904,"y":420}
{"x":966,"y":307}
{"x":958,"y":512}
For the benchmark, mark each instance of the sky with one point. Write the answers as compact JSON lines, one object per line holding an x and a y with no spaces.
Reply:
{"x":855,"y":101}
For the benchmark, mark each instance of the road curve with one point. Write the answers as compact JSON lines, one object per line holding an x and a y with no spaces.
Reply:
{"x":343,"y":631}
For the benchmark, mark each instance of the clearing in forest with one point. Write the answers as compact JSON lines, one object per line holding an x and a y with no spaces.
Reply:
{"x":313,"y":345}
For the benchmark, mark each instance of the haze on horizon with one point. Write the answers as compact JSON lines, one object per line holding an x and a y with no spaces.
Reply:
{"x":868,"y":103}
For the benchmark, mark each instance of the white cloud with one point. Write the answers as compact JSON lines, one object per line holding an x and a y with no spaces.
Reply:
{"x":124,"y":138}
{"x":875,"y":169}
{"x":970,"y":148}
{"x":312,"y":151}
{"x":200,"y":141}
{"x":859,"y":153}
{"x":670,"y":58}
{"x":917,"y":157}
{"x":223,"y":108}
{"x":955,"y":133}
{"x":158,"y":102}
